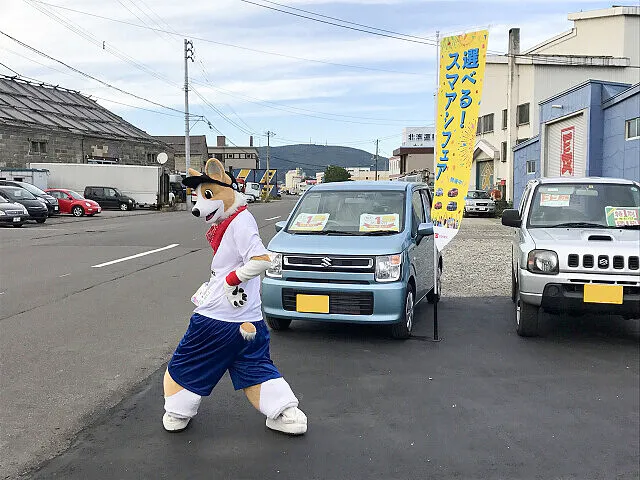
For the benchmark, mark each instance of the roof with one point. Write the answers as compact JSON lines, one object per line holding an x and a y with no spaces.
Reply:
{"x":581,"y":85}
{"x":27,"y":104}
{"x":606,"y":12}
{"x":363,"y":186}
{"x":631,"y":91}
{"x":194,"y":140}
{"x":548,"y":180}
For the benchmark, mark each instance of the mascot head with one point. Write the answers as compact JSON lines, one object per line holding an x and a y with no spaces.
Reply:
{"x":218,"y":195}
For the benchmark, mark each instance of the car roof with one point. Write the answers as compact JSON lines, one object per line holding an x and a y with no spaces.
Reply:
{"x":570,"y":180}
{"x":10,"y":187}
{"x":366,"y":186}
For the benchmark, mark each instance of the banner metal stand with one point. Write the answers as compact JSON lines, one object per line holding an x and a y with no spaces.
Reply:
{"x":436,"y":287}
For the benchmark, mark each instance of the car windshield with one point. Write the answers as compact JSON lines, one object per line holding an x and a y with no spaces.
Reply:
{"x":75,"y":195}
{"x":18,"y":194}
{"x":584,"y":205}
{"x":473,"y":195}
{"x":349,"y":212}
{"x":32,"y":189}
{"x":3,"y":200}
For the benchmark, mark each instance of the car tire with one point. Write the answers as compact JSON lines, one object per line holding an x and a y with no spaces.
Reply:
{"x":402,"y":330}
{"x":41,"y":220}
{"x":77,"y":211}
{"x":431,"y":298}
{"x":124,"y":207}
{"x":526,"y":317}
{"x":278,"y":323}
{"x":513,"y":286}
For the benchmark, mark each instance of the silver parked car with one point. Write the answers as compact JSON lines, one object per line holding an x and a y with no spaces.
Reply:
{"x":576,"y":249}
{"x":479,"y":202}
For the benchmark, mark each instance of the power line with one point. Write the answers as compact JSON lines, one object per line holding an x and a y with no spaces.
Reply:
{"x":207,"y":40}
{"x":430,"y":43}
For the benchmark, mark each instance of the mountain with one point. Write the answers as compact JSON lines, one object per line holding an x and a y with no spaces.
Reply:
{"x":315,"y":158}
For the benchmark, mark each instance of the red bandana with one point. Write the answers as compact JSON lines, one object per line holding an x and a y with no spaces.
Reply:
{"x":215,"y":233}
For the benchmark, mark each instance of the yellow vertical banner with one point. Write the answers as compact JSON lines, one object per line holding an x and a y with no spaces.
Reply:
{"x":461,"y":77}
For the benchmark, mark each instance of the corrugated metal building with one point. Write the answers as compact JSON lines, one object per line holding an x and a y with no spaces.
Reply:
{"x":43,"y":123}
{"x":592,"y":129}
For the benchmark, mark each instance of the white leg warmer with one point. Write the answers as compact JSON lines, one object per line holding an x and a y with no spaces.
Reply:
{"x":182,"y":404}
{"x":275,"y":397}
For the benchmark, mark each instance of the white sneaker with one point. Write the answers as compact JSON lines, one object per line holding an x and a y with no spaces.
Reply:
{"x":172,"y":423}
{"x":292,"y":421}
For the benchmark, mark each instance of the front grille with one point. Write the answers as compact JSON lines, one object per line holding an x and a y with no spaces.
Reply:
{"x":633,"y":263}
{"x":587,"y":261}
{"x":482,"y":204}
{"x":14,"y":212}
{"x":574,"y":260}
{"x":341,"y":303}
{"x":328,"y":280}
{"x":328,"y":263}
{"x":618,"y":262}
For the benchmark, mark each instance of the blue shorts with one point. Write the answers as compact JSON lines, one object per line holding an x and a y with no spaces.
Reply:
{"x":210,"y":347}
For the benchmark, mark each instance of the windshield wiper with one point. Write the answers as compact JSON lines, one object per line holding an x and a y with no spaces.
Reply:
{"x":379,"y":232}
{"x":628,"y":227}
{"x":578,"y":225}
{"x":321,"y":232}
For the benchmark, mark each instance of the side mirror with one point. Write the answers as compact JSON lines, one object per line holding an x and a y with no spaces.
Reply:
{"x":280,"y":226}
{"x":424,"y":230}
{"x":511,"y":218}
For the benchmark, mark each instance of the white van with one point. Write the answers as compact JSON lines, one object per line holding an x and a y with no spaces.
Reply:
{"x":252,"y":191}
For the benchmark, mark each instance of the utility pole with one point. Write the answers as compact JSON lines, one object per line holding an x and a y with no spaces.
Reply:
{"x":377,"y":160}
{"x":269,"y":135}
{"x":188,"y":55}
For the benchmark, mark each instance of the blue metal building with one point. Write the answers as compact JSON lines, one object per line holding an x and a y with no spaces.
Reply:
{"x":592,"y":129}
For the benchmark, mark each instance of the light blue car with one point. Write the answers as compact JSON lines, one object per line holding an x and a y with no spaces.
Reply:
{"x":353,"y":252}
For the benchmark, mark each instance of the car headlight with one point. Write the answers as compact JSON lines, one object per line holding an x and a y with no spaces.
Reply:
{"x":468,"y":202}
{"x":388,"y":268}
{"x":2,"y":213}
{"x":87,"y":204}
{"x":275,"y":270}
{"x":543,"y":261}
{"x":25,"y":211}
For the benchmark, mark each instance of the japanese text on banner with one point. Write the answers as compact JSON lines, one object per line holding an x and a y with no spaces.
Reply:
{"x":462,"y":65}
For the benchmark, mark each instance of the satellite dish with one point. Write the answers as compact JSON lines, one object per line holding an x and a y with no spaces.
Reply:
{"x":162,"y":158}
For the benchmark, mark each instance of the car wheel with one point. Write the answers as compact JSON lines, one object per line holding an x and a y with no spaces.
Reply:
{"x":124,"y":207}
{"x":526,"y":317}
{"x":41,"y":220}
{"x":402,"y":330}
{"x":77,"y":211}
{"x":278,"y":323}
{"x":431,"y":298}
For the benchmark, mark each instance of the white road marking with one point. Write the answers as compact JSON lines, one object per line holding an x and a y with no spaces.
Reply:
{"x":135,"y":256}
{"x":66,"y":274}
{"x":272,"y":218}
{"x":2,"y":293}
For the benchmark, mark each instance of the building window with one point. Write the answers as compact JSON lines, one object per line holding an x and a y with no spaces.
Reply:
{"x":523,"y":114}
{"x":150,"y":157}
{"x":419,"y":137}
{"x":633,"y":128}
{"x":503,"y":151}
{"x":504,"y":119}
{"x":485,"y":124}
{"x":411,"y":137}
{"x":38,"y":147}
{"x":531,"y":166}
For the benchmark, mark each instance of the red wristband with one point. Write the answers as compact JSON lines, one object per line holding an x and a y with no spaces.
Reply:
{"x":233,"y":280}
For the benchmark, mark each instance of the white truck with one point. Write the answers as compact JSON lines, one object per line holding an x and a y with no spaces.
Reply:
{"x":142,"y":183}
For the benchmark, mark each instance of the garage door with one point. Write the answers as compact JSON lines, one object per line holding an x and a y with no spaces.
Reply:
{"x":566,"y":150}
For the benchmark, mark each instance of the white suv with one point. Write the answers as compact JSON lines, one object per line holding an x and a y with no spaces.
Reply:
{"x":576,"y":249}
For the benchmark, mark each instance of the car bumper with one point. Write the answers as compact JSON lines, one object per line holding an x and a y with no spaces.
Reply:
{"x":11,"y":219}
{"x":564,"y":293}
{"x":53,"y":209}
{"x":35,"y":214}
{"x":473,"y":209}
{"x":387,"y":301}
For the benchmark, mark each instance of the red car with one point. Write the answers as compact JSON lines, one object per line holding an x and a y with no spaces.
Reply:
{"x":74,"y":203}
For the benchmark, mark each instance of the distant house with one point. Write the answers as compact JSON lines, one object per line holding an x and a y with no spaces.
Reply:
{"x":198,"y":151}
{"x":234,"y":157}
{"x":43,"y":123}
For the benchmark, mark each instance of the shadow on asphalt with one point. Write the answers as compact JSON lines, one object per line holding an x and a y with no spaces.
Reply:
{"x":481,"y":404}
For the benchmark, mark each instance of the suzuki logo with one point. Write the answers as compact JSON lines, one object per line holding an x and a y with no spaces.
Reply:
{"x":326,"y":262}
{"x":603,"y":262}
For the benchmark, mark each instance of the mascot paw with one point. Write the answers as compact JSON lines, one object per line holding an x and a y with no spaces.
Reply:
{"x":292,"y":421}
{"x":235,"y":295}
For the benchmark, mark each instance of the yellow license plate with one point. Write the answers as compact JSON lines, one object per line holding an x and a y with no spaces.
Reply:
{"x":312,"y":303}
{"x":603,"y":294}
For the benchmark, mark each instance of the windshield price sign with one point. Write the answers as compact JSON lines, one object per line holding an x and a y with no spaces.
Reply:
{"x":622,"y":216}
{"x":552,"y":200}
{"x":374,"y":223}
{"x":310,"y":222}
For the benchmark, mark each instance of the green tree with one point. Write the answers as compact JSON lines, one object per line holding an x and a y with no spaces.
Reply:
{"x":335,"y":174}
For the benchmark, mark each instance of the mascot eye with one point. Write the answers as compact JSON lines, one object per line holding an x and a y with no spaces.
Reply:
{"x":208,"y":194}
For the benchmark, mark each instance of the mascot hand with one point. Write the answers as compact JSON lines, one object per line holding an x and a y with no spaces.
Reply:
{"x":235,"y":295}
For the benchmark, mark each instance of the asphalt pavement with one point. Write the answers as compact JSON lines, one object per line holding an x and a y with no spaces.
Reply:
{"x":483,"y":403}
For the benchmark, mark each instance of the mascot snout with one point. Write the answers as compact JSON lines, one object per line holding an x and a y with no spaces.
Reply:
{"x":195,"y":212}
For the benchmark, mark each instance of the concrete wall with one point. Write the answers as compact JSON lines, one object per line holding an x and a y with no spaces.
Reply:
{"x":15,"y":148}
{"x":621,"y":157}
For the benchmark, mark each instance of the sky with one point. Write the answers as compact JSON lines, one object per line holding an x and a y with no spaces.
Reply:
{"x":256,"y":69}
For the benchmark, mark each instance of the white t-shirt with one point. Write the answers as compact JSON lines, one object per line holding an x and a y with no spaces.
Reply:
{"x":240,"y":242}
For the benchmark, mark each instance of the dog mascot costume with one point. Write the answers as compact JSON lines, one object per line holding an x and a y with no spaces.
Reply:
{"x":226,"y":330}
